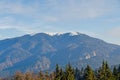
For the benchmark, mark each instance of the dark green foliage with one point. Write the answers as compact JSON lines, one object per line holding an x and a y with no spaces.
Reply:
{"x":104,"y":72}
{"x":69,"y":73}
{"x":77,"y":74}
{"x":89,"y":74}
{"x":58,"y":73}
{"x":115,"y":72}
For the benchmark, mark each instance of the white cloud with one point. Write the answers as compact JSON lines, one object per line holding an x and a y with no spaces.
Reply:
{"x":1,"y":36}
{"x":18,"y":8}
{"x":113,"y":32}
{"x":68,"y":9}
{"x":111,"y":35}
{"x":50,"y":19}
{"x":112,"y":20}
{"x":81,"y":9}
{"x":7,"y":20}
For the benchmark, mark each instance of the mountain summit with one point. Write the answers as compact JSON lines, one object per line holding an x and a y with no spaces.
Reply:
{"x":61,"y":33}
{"x":43,"y":51}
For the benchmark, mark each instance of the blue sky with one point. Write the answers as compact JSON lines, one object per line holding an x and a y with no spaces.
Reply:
{"x":97,"y":18}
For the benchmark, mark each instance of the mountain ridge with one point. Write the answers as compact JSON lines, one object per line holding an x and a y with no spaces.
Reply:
{"x":42,"y":52}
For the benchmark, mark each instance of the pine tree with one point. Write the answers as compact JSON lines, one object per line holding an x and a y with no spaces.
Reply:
{"x":78,"y":74}
{"x":63,"y":76}
{"x":89,"y":74}
{"x":104,"y":72}
{"x":57,"y":73}
{"x":115,"y":73}
{"x":118,"y":78}
{"x":69,"y":72}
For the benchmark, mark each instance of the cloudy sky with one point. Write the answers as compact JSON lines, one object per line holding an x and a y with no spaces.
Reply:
{"x":97,"y":18}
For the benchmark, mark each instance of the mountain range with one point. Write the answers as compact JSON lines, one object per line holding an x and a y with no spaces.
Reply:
{"x":43,"y":51}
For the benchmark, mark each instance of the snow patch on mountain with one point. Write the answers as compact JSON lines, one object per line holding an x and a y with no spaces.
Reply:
{"x":74,"y":33}
{"x":94,"y":53}
{"x":87,"y":56}
{"x":62,"y":33}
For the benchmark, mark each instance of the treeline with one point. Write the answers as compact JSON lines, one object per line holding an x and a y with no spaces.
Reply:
{"x":69,"y":73}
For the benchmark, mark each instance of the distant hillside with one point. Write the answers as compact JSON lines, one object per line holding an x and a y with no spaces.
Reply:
{"x":43,"y":51}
